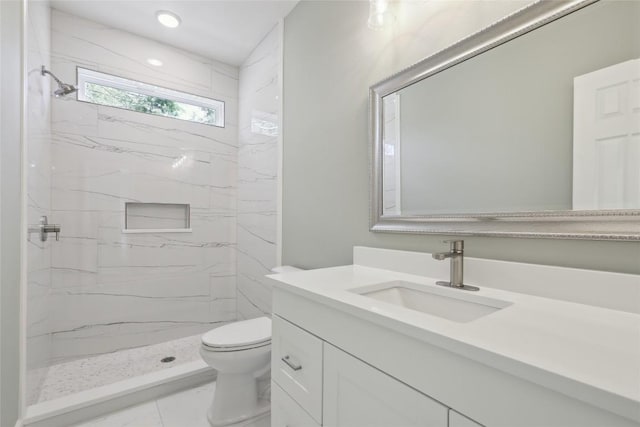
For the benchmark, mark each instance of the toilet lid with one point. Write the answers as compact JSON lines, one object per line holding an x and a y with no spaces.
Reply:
{"x":239,"y":334}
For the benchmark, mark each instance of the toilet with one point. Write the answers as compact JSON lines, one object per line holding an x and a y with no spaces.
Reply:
{"x":241,"y":353}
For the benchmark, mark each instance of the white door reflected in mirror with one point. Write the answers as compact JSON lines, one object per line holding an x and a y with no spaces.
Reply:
{"x":606,"y":138}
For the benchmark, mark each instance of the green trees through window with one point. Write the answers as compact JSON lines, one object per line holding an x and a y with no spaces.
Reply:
{"x":113,"y":91}
{"x":113,"y":97}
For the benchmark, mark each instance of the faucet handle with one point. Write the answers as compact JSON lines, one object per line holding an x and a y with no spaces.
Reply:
{"x":457,"y":245}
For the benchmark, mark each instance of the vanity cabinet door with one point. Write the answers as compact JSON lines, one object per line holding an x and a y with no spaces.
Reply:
{"x":459,"y":420}
{"x":358,"y":395}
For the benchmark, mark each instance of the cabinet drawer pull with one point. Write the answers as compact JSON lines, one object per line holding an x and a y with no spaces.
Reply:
{"x":287,"y":360}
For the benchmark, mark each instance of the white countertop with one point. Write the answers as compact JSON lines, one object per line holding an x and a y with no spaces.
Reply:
{"x":586,"y":352}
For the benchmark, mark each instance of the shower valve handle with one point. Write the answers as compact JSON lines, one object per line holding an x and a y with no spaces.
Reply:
{"x":44,"y":229}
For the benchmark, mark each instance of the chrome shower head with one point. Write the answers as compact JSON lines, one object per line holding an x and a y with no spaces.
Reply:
{"x":63,"y":88}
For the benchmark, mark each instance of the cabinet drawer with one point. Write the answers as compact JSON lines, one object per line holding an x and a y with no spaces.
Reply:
{"x":296,"y":365}
{"x":285,"y":412}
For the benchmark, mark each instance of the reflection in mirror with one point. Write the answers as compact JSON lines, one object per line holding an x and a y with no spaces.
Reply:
{"x":549,"y":121}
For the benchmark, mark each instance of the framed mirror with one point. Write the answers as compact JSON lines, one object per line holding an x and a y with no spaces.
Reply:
{"x":529,"y":128}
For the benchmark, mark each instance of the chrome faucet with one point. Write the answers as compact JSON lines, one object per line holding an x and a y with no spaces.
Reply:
{"x":456,"y":253}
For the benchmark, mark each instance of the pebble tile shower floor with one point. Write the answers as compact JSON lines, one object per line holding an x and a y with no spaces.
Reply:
{"x":84,"y":374}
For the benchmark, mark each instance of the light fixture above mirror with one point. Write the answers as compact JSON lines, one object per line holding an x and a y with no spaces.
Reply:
{"x":379,"y":14}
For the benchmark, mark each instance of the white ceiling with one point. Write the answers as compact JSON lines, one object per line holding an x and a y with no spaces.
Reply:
{"x":225,"y":30}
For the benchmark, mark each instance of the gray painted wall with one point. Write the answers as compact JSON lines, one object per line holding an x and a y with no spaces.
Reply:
{"x":10,"y":178}
{"x":330,"y":60}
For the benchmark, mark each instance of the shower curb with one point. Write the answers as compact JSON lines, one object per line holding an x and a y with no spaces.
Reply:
{"x":83,"y":406}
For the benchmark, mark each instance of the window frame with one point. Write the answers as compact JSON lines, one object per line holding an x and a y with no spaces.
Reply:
{"x":86,"y":75}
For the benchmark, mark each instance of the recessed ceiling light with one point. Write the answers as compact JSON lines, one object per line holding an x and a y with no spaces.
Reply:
{"x":168,"y":19}
{"x":155,"y":62}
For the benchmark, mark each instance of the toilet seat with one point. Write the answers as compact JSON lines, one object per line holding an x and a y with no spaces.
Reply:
{"x":232,"y":349}
{"x":238,"y":336}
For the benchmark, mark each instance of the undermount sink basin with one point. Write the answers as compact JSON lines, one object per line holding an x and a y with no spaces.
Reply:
{"x":451,"y":304}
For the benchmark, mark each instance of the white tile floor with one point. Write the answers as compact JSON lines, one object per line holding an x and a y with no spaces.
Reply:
{"x":184,"y":409}
{"x":83,"y":374}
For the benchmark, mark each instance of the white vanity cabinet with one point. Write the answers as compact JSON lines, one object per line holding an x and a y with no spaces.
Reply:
{"x":345,"y":370}
{"x":358,"y":395}
{"x":369,"y":358}
{"x":316,"y":383}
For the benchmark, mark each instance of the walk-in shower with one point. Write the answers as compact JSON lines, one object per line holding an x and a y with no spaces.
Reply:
{"x":143,"y":203}
{"x":167,"y":224}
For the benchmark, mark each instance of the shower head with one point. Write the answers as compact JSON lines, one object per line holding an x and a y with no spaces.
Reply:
{"x":63,"y":88}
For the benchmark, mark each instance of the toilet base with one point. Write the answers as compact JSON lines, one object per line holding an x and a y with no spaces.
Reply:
{"x":236,"y":401}
{"x":264,"y":408}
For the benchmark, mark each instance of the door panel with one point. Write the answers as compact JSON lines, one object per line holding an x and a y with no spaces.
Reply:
{"x":606,"y":138}
{"x":358,"y":395}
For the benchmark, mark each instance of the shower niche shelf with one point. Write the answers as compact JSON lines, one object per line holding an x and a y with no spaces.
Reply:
{"x":156,"y":218}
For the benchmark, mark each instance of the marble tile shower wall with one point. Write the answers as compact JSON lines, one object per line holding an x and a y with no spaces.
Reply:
{"x":112,"y":290}
{"x":38,"y":142}
{"x":257,"y":175}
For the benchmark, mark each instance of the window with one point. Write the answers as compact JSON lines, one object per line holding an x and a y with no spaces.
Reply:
{"x":106,"y":89}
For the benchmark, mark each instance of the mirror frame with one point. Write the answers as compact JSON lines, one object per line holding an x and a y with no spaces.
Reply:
{"x":621,"y":224}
